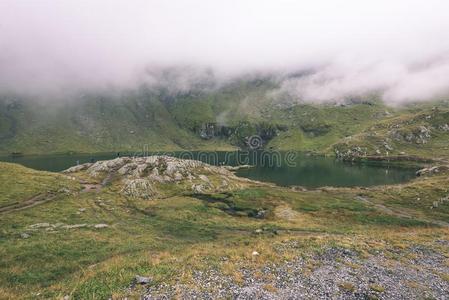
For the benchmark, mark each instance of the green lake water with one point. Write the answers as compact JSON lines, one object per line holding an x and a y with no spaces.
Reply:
{"x":285,"y":169}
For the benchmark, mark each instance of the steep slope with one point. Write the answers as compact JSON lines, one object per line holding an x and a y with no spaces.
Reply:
{"x":133,"y":123}
{"x":416,"y":130}
{"x":220,"y":119}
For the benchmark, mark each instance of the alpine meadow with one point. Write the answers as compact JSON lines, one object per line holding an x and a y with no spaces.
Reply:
{"x":224,"y":149}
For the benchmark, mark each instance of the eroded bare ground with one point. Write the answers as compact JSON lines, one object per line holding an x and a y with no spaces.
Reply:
{"x":46,"y":197}
{"x":33,"y":201}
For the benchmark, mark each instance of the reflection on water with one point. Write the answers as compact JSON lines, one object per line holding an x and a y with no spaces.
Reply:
{"x":285,"y":169}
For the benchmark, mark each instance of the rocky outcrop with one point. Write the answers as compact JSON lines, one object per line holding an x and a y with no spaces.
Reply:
{"x":350,"y":153}
{"x":140,"y":176}
{"x":77,"y":168}
{"x":444,"y":127}
{"x":236,"y":168}
{"x":431,"y":170}
{"x":139,"y":188}
{"x":417,"y":135}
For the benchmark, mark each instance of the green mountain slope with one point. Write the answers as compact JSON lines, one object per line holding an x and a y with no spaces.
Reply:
{"x":417,"y":130}
{"x":136,"y":123}
{"x":220,"y":119}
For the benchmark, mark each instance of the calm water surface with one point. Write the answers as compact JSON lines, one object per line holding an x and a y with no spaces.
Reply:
{"x":285,"y":169}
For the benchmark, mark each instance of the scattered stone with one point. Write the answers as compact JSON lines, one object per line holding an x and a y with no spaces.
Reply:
{"x":139,"y":188}
{"x":298,"y":188}
{"x":78,"y":168}
{"x":198,"y":188}
{"x":224,"y":183}
{"x":204,"y":178}
{"x":236,"y":168}
{"x":428,"y":171}
{"x":351,"y":154}
{"x":24,"y":235}
{"x":178,"y":176}
{"x":388,"y":147}
{"x":261,"y":214}
{"x":99,"y":226}
{"x":142,"y":279}
{"x":64,"y":190}
{"x":335,"y":273}
{"x":40,"y":225}
{"x":444,"y":127}
{"x":74,"y":226}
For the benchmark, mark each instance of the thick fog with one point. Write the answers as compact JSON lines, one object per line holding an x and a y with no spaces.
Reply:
{"x":348,"y":47}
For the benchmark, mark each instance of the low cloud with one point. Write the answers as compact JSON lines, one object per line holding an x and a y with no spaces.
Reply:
{"x":396,"y":83}
{"x":341,"y":47}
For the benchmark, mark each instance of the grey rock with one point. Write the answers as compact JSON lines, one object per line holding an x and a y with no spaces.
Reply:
{"x":74,"y":226}
{"x":25,"y":235}
{"x":139,"y":188}
{"x":78,"y":168}
{"x":428,"y":171}
{"x":333,"y":267}
{"x":99,"y":226}
{"x":40,"y":225}
{"x":142,"y":279}
{"x":140,"y":176}
{"x":204,"y":178}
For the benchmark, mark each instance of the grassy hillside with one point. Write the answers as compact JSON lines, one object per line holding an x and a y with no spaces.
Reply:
{"x":317,"y":127}
{"x":54,"y":249}
{"x":220,"y":119}
{"x":417,"y":130}
{"x":28,"y":183}
{"x":93,"y":125}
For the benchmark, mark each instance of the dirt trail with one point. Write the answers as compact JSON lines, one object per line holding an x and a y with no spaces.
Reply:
{"x":33,"y":201}
{"x":46,"y":197}
{"x":89,"y":187}
{"x":400,"y":214}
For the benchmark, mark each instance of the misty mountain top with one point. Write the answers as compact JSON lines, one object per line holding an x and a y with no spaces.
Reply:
{"x":177,"y":83}
{"x":338,"y":48}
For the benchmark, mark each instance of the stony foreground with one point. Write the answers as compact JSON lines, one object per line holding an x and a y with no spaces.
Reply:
{"x":335,"y":274}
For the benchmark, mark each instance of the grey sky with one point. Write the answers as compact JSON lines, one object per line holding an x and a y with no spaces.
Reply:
{"x":400,"y":47}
